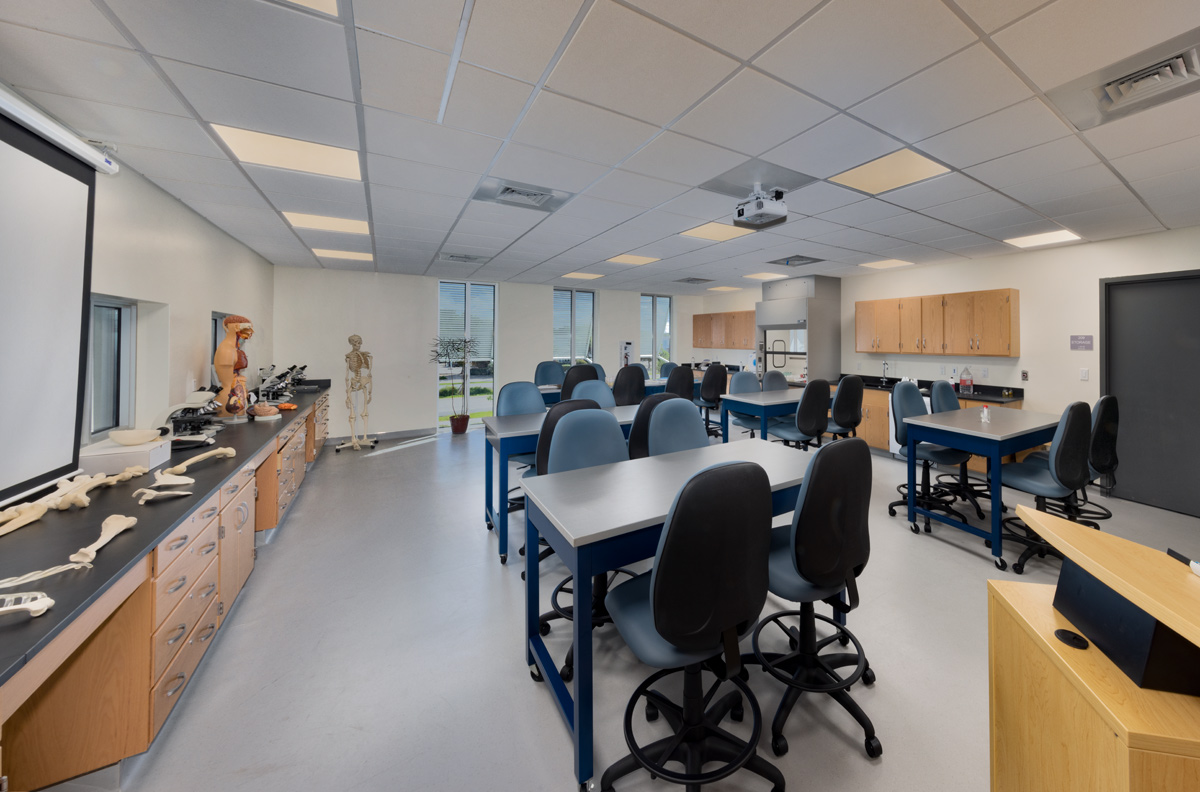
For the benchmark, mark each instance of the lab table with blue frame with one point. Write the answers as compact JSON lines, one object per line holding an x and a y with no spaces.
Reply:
{"x":509,"y":435}
{"x":551,"y":394}
{"x":763,"y":404}
{"x":1008,"y":431}
{"x":599,"y":519}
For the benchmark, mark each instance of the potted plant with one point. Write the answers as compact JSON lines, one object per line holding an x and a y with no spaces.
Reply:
{"x":449,"y":352}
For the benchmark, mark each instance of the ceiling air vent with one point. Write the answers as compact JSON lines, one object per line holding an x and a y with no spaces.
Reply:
{"x":694,"y":281}
{"x":795,"y":261}
{"x":519,"y":195}
{"x":524,"y":197}
{"x":460,"y":258}
{"x":1142,"y":85}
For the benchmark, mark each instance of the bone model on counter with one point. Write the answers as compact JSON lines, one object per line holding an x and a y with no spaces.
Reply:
{"x":35,"y":602}
{"x":112,"y":525}
{"x":72,"y":492}
{"x":145,"y":495}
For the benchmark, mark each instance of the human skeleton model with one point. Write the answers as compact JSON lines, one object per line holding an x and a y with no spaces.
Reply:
{"x":358,"y":380}
{"x":230,"y":361}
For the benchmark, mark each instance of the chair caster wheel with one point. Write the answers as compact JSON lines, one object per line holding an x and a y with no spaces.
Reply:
{"x":522,"y":575}
{"x":521,"y":551}
{"x":490,"y":526}
{"x":534,"y":674}
{"x":874,"y":749}
{"x":737,"y":714}
{"x":915,"y":529}
{"x":868,"y":676}
{"x":504,"y":558}
{"x":844,"y":639}
{"x":651,"y":712}
{"x":891,"y":512}
{"x":1001,"y":564}
{"x":567,"y":673}
{"x":544,"y":629}
{"x":337,"y":450}
{"x":1018,"y":568}
{"x":779,"y":745}
{"x":987,"y":543}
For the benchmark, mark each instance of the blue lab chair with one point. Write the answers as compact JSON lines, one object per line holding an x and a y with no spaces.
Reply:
{"x":907,"y":402}
{"x":675,"y":426}
{"x":595,"y":390}
{"x":743,"y":382}
{"x":520,"y":398}
{"x":665,"y":370}
{"x":629,"y":386}
{"x":943,"y":398}
{"x":549,"y":372}
{"x":815,"y":559}
{"x":774,"y":380}
{"x":811,"y":418}
{"x":1102,"y":459}
{"x":704,"y":592}
{"x":599,"y":370}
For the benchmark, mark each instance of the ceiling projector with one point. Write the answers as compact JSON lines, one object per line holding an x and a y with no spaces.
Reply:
{"x":761,"y":209}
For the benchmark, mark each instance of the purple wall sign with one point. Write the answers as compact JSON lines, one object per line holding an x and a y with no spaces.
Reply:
{"x":1081,"y":342}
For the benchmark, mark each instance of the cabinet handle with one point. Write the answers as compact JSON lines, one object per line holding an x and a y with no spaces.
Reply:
{"x":182,"y":681}
{"x":918,"y":343}
{"x":208,"y":548}
{"x":208,"y":632}
{"x":923,"y":345}
{"x":244,"y":512}
{"x":248,"y":472}
{"x":208,"y":590}
{"x":182,"y":631}
{"x":970,"y":343}
{"x":232,"y":488}
{"x":178,"y":585}
{"x":209,"y":512}
{"x":178,"y":543}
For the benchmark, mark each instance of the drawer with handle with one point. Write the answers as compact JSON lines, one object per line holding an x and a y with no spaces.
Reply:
{"x":170,"y":548}
{"x":170,"y":687}
{"x":173,"y":584}
{"x":172,"y":634}
{"x":231,"y":488}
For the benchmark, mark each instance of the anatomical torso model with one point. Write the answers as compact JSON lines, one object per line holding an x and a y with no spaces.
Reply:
{"x":230,"y":361}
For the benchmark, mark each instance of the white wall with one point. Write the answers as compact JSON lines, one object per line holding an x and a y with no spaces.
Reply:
{"x":1060,"y":297}
{"x":147,"y":246}
{"x":524,"y":313}
{"x":618,"y":318}
{"x":396,"y":315}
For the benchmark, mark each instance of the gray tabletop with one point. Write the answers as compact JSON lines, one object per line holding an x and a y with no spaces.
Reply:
{"x":650,"y":382}
{"x":1006,"y":422}
{"x":601,"y":502}
{"x":517,"y":425}
{"x":549,"y":388}
{"x":764,"y":398}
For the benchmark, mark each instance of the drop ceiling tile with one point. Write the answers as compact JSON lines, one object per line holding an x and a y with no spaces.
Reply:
{"x":678,"y":159}
{"x":237,"y":220}
{"x":965,"y":86}
{"x":517,"y":37}
{"x":1179,"y":216}
{"x":31,"y":59}
{"x":1056,"y":156}
{"x":77,"y":18}
{"x":240,"y":102}
{"x":889,"y":42}
{"x":286,"y":202}
{"x":481,"y":101}
{"x":863,"y":212}
{"x":381,"y":60}
{"x":963,"y":242}
{"x":1021,"y":126}
{"x":394,"y":199}
{"x":572,"y":224}
{"x":1181,"y":155}
{"x":332,"y":240}
{"x":189,"y":192}
{"x":408,"y":138}
{"x":540,"y":235}
{"x":275,"y":231}
{"x":348,"y":265}
{"x":752,"y":113}
{"x":820,"y":197}
{"x":309,"y":185}
{"x":1071,"y":38}
{"x":1150,"y":128}
{"x":975,"y":206}
{"x":929,"y":235}
{"x":834,"y":146}
{"x":401,"y":247}
{"x":991,"y":15}
{"x":467,"y":225}
{"x":989,"y":223}
{"x":511,"y":216}
{"x":918,"y":254}
{"x":406,"y":234}
{"x":615,"y":58}
{"x":491,"y":244}
{"x":125,"y":125}
{"x":546,"y":169}
{"x":670,"y":246}
{"x":1171,"y":185}
{"x":900,"y":224}
{"x":182,"y":167}
{"x":261,"y":40}
{"x":1110,"y":222}
{"x":598,"y":209}
{"x":939,"y":190}
{"x":419,"y":21}
{"x":564,"y":125}
{"x":857,"y":239}
{"x":410,"y":175}
{"x":426,"y":220}
{"x":1115,"y":195}
{"x":729,"y":26}
{"x":806,"y":227}
{"x":1028,"y":228}
{"x":396,"y":266}
{"x":1060,"y":185}
{"x":701,"y":204}
{"x":635,"y":189}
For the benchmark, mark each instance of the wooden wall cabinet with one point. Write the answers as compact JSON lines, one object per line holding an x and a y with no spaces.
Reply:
{"x":702,"y":331}
{"x":983,"y":323}
{"x":864,"y":326}
{"x":932,"y":318}
{"x":727,"y":330}
{"x":718,"y":330}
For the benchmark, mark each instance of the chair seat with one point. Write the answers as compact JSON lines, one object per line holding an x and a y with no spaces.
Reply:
{"x":835,"y":429}
{"x":1032,"y":478}
{"x":524,"y":459}
{"x":629,"y":606}
{"x":745,"y":421}
{"x":702,"y":403}
{"x":788,"y":432}
{"x":939,"y":455}
{"x":786,"y":582}
{"x":529,"y":473}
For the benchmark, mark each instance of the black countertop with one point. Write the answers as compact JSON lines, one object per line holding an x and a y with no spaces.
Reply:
{"x":51,"y":540}
{"x":983,"y":393}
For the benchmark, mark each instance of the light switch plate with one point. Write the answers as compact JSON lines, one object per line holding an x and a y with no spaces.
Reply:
{"x":1083,"y":375}
{"x":942,"y":370}
{"x":859,"y":367}
{"x":984,"y":373}
{"x":1024,"y":375}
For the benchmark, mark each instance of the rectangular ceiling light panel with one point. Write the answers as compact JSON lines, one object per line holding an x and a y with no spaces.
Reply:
{"x":324,"y":6}
{"x":322,"y":223}
{"x":898,"y":169}
{"x":343,"y":254}
{"x":582,"y":275}
{"x":1048,"y":238}
{"x":765,"y":276}
{"x":716,"y":232}
{"x":725,"y":288}
{"x":259,"y":148}
{"x":629,"y":258}
{"x":887,"y":264}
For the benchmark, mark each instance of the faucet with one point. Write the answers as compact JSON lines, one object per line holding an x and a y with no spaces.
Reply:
{"x":885,"y":373}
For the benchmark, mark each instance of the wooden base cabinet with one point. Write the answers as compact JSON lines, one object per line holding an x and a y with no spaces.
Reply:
{"x":874,"y":427}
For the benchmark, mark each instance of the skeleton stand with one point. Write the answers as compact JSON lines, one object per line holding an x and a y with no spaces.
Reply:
{"x":358,"y":381}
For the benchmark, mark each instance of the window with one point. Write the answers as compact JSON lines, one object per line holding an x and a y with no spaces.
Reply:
{"x":573,"y":326}
{"x":468,"y":310}
{"x":218,"y":335}
{"x":656,"y":332}
{"x":110,"y":364}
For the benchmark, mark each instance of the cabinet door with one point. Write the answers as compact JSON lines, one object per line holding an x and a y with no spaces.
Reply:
{"x":228,"y":583}
{"x":718,"y":330}
{"x":910,"y":325}
{"x":931,"y":325}
{"x":992,"y":322}
{"x":864,"y":326}
{"x":702,"y":331}
{"x":958,"y":317}
{"x":245,"y":539}
{"x":744,"y":337}
{"x":887,"y":326}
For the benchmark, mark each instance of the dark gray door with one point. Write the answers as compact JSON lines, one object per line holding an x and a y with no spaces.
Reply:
{"x":1152,"y":366}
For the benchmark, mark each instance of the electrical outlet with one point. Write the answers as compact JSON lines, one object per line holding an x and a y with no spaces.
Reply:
{"x":942,"y":370}
{"x":1083,"y":375}
{"x":859,"y":367}
{"x":1024,"y":375}
{"x":984,"y":374}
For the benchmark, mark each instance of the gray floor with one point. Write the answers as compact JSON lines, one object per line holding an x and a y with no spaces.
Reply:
{"x":377,"y":646}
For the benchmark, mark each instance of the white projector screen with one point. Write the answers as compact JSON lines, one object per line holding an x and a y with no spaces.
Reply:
{"x":45,"y":251}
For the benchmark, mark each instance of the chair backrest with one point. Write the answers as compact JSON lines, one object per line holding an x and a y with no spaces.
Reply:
{"x":709,"y":580}
{"x":907,"y":402}
{"x":681,"y":382}
{"x":676,"y":426}
{"x":665,"y":369}
{"x":812,"y":414}
{"x":520,"y":398}
{"x":642,"y":366}
{"x":742,"y":382}
{"x":639,"y":431}
{"x":942,"y":397}
{"x":595,"y":390}
{"x":586,"y":438}
{"x":1103,"y":454}
{"x":599,"y":370}
{"x":847,"y":404}
{"x":574,"y":376}
{"x":712,"y":387}
{"x":830,"y":539}
{"x":1069,"y":448}
{"x":629,"y":387}
{"x":541,"y":456}
{"x":548,"y":372}
{"x":774,"y":380}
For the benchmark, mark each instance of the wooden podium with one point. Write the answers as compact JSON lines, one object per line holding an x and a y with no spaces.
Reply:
{"x":1069,"y":719}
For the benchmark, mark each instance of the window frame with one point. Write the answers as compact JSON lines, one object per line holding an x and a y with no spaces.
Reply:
{"x":573,"y":352}
{"x":467,"y":285}
{"x":125,"y":380}
{"x":654,"y":324}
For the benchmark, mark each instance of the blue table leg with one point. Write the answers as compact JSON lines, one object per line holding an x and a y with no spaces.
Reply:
{"x":532,"y":620}
{"x":912,"y":479}
{"x":993,"y":464}
{"x":724,"y":422}
{"x":762,"y":432}
{"x":583,"y":666}
{"x":502,"y":514}
{"x":487,"y":485}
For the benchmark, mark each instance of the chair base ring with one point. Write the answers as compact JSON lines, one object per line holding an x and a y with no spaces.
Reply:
{"x":792,"y":669}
